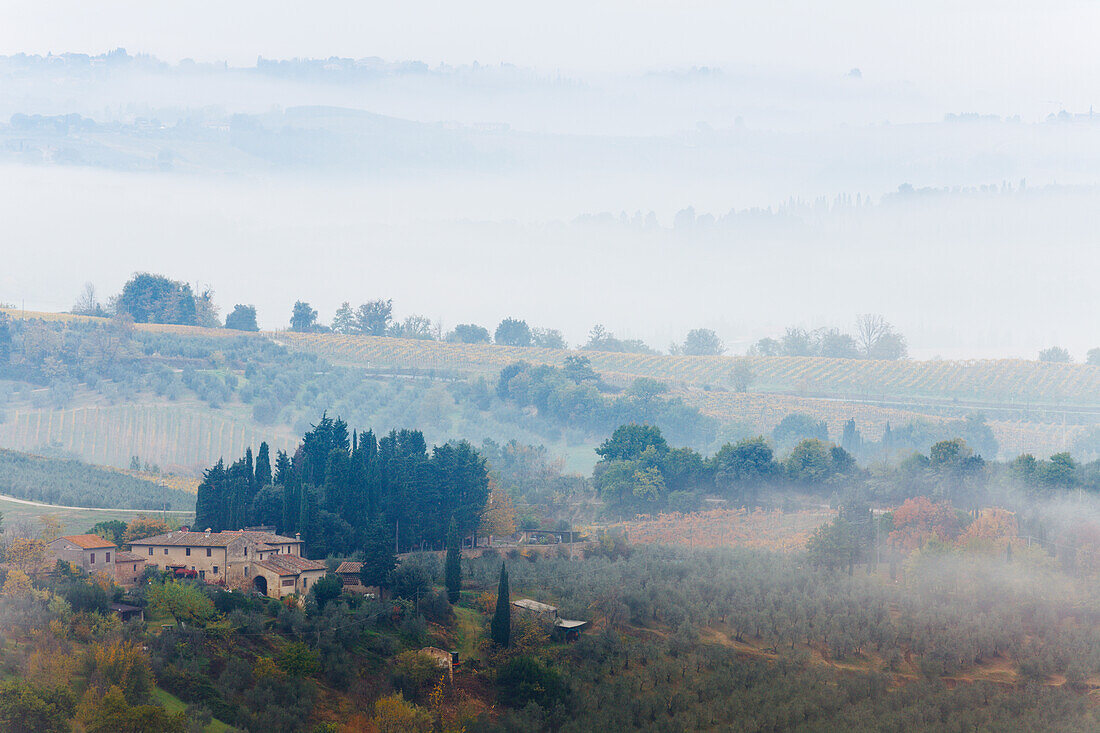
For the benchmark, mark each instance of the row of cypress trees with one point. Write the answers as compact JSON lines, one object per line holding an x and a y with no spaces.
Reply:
{"x":339,"y":486}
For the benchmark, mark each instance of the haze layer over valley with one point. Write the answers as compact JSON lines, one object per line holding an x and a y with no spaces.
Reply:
{"x":743,"y":200}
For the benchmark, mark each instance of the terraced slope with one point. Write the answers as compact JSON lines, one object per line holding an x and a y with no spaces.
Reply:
{"x":1009,"y":382}
{"x":175,"y":437}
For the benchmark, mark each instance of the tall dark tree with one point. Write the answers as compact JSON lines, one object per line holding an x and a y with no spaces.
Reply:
{"x":378,"y":555}
{"x":459,"y":476}
{"x":210,"y":499}
{"x":282,"y":468}
{"x":263,"y":466}
{"x":500,"y":629}
{"x":453,"y":570}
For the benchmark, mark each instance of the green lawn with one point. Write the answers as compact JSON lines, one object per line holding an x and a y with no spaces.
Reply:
{"x":173,"y":704}
{"x":468,"y":631}
{"x":73,"y":521}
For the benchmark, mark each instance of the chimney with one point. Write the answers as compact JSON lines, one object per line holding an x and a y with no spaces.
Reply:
{"x":207,"y":531}
{"x":298,"y":536}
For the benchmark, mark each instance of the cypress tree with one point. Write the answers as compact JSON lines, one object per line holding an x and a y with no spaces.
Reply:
{"x":454,"y":564}
{"x":501,"y":628}
{"x":263,"y":467}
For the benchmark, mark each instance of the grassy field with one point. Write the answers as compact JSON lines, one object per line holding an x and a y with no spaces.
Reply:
{"x":760,"y":530}
{"x":178,"y":437}
{"x":74,"y":521}
{"x":1028,"y":384}
{"x":173,"y":704}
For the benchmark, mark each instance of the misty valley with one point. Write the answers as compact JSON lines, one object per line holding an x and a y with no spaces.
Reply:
{"x":607,"y":367}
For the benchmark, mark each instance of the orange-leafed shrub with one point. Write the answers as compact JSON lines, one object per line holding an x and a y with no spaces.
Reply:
{"x":920,"y":519}
{"x":991,"y":531}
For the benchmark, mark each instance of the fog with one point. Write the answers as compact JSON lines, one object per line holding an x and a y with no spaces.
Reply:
{"x":653,"y":171}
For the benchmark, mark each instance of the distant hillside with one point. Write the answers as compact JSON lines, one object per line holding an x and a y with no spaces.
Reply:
{"x":979,"y":382}
{"x":181,"y":397}
{"x":174,"y":437}
{"x":72,"y":483}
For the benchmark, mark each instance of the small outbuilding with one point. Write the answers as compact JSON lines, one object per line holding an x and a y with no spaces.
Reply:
{"x":564,"y":628}
{"x":569,"y":629}
{"x":127,"y":613}
{"x":443,"y":658}
{"x":128,"y":568}
{"x":544,"y":611}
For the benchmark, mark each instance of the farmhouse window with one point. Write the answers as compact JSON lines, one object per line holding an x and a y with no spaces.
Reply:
{"x":108,"y":558}
{"x":92,"y":561}
{"x":150,"y":550}
{"x":215,"y":570}
{"x":208,"y":552}
{"x":187,"y":552}
{"x":288,"y":582}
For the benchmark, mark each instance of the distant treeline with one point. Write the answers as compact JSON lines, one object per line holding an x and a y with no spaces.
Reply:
{"x":874,"y":338}
{"x":72,"y":483}
{"x":338,"y":489}
{"x":640,"y":471}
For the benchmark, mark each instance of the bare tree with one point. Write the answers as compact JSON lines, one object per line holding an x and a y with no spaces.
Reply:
{"x":87,"y":304}
{"x":870,"y":329}
{"x":878,"y":340}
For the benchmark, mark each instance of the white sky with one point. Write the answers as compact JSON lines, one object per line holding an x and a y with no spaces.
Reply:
{"x":1043,"y":48}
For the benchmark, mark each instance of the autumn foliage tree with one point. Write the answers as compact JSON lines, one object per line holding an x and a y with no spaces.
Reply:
{"x":26,"y":554}
{"x":994,"y":529}
{"x":144,"y":527}
{"x":919,"y":519}
{"x":499,"y":515}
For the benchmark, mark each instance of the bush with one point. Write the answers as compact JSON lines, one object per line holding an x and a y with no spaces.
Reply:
{"x":298,"y":660}
{"x":524,"y":680}
{"x":415,"y":672}
{"x":436,"y":607}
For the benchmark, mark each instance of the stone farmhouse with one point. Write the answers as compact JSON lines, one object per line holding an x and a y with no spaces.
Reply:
{"x":89,"y":552}
{"x":264,"y":561}
{"x":284,"y":575}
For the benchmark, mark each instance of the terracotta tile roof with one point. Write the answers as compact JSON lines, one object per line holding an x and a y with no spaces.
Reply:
{"x":290,"y":564}
{"x":123,"y":556}
{"x":188,"y":539}
{"x":88,"y":541}
{"x":263,"y":540}
{"x":349,"y":567}
{"x":265,"y":537}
